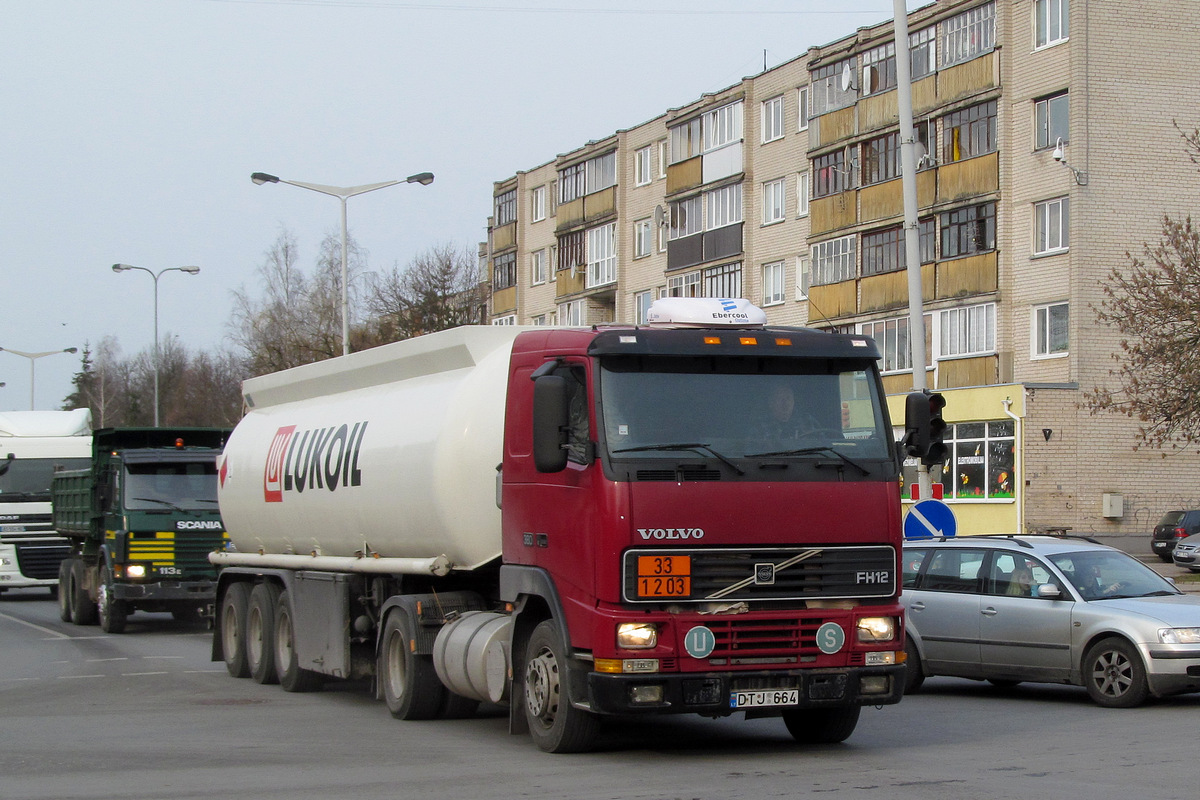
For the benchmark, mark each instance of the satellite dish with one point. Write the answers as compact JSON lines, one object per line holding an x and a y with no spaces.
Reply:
{"x":660,"y":216}
{"x":847,"y":77}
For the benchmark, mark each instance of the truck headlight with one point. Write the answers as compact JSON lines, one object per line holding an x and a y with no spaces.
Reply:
{"x":637,"y":635}
{"x":872,"y":630}
{"x":1179,"y":635}
{"x":135,"y":571}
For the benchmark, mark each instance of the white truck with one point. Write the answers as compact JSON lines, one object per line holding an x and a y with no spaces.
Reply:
{"x":33,"y":445}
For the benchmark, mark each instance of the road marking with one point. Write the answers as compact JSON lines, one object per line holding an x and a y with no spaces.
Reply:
{"x":97,"y":660}
{"x":77,"y":677}
{"x":140,"y":674}
{"x":53,"y":633}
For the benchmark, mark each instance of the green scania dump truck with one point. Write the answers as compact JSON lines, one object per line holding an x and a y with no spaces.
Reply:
{"x":142,"y":520}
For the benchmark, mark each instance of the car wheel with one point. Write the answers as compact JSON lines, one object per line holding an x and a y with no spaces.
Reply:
{"x":1114,"y":675}
{"x":914,"y":675}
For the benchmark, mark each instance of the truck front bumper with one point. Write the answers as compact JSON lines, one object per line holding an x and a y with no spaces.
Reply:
{"x":199,"y":591}
{"x":711,"y":693}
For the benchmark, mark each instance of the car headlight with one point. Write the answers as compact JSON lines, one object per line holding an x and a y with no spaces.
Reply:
{"x":1179,"y":635}
{"x":637,"y":635}
{"x":135,"y":571}
{"x":876,"y":629}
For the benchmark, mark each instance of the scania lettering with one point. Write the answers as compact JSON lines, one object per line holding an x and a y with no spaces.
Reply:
{"x":142,"y":519}
{"x":33,"y":445}
{"x":579,"y":524}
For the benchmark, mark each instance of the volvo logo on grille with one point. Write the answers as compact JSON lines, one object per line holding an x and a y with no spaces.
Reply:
{"x":764,"y":574}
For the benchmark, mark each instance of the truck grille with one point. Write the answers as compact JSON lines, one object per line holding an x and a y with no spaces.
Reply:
{"x":763,"y":574}
{"x":168,"y":549}
{"x":40,"y":561}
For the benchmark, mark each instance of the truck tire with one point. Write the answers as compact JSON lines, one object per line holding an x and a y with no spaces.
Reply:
{"x":554,"y":724}
{"x":64,"y":590}
{"x":914,"y":674}
{"x":83,"y":610}
{"x":822,"y":725}
{"x":1114,"y":674}
{"x":232,"y":621}
{"x":291,"y":676}
{"x":260,"y":633}
{"x":113,"y":612}
{"x":410,"y":684}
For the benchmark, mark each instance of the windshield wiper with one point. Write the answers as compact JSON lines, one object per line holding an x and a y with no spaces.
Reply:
{"x":699,"y":447}
{"x":809,"y":451}
{"x":166,"y":503}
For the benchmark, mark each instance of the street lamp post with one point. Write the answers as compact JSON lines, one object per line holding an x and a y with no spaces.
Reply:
{"x":343,"y":193}
{"x":155,"y":276}
{"x":33,"y":357}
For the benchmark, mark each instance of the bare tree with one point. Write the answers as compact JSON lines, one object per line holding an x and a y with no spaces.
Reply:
{"x":439,"y":289}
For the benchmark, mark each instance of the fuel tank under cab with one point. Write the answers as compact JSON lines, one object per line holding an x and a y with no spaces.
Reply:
{"x":389,"y":453}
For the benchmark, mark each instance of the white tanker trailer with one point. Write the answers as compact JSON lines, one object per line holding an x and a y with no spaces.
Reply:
{"x":575,"y":523}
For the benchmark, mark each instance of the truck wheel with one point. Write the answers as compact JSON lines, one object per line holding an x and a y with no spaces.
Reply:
{"x":291,"y":677}
{"x":64,"y":590}
{"x":410,"y":684}
{"x":83,"y":610}
{"x":1114,"y":675}
{"x":113,"y":613}
{"x":232,"y":620}
{"x":555,"y":725}
{"x":821,"y":725}
{"x":260,"y":633}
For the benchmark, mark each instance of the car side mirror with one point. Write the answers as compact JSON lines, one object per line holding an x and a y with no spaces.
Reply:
{"x":1047,"y":591}
{"x":550,"y":423}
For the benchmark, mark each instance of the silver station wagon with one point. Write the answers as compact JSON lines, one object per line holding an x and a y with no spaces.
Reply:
{"x":1008,"y":609}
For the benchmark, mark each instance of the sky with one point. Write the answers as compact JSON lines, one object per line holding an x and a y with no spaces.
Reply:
{"x":129,"y":130}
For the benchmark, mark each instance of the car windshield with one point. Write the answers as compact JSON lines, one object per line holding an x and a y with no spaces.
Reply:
{"x":1108,"y":574}
{"x":1171,"y":518}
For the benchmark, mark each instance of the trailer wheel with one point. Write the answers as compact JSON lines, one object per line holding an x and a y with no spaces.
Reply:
{"x":822,"y":725}
{"x":113,"y":613}
{"x":64,"y":590}
{"x":232,"y":620}
{"x":83,"y":610}
{"x":292,"y":677}
{"x":260,"y":633}
{"x":410,"y":684}
{"x":555,"y":725}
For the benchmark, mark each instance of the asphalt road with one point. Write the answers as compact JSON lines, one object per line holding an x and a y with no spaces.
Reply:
{"x":147,"y":715}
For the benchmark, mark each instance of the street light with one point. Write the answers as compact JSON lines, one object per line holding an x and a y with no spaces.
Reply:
{"x":155,"y":275}
{"x":32,"y":358}
{"x":343,"y":193}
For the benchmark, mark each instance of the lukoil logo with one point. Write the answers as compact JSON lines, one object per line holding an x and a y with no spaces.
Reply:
{"x":312,"y":459}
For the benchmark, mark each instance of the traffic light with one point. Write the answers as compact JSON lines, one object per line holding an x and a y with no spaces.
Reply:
{"x":924,"y":428}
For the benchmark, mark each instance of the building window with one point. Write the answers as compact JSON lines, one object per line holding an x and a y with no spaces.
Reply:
{"x":510,"y":319}
{"x":892,"y":337}
{"x":923,"y":46}
{"x":722,"y":126}
{"x":724,"y":206}
{"x":642,"y":167}
{"x":662,"y":158}
{"x":723,"y":281}
{"x":571,"y":251}
{"x":879,"y":69}
{"x":883,"y":251}
{"x":970,"y":230}
{"x":831,"y":174}
{"x":981,"y":461}
{"x":968,"y":331}
{"x":1050,"y":226}
{"x":802,"y":107}
{"x":830,"y":88}
{"x":572,"y":314}
{"x":685,"y":141}
{"x":687,"y":217}
{"x":504,"y":271}
{"x":803,"y":276}
{"x":537,"y":204}
{"x":772,"y":119}
{"x":970,"y":132}
{"x":774,"y":193}
{"x":592,"y":175}
{"x":537,"y":267}
{"x":641,"y":305}
{"x":571,"y":183}
{"x":833,"y":261}
{"x":553,"y":197}
{"x":1051,"y":116}
{"x":772,"y":281}
{"x":881,"y":159}
{"x":927,"y":236}
{"x":643,"y":237}
{"x":538,"y":321}
{"x":602,"y":255}
{"x":1050,"y":22}
{"x":506,"y":208}
{"x":802,"y":194}
{"x":969,"y":34}
{"x":684,"y":285}
{"x":1050,"y":330}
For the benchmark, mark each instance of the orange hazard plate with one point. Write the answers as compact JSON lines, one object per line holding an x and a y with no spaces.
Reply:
{"x":664,"y":576}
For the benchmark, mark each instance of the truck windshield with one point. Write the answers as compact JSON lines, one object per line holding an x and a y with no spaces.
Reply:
{"x":179,"y":485}
{"x":29,"y":478}
{"x":741,"y":407}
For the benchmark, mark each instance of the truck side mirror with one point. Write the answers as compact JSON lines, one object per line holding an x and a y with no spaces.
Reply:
{"x":551,"y":421}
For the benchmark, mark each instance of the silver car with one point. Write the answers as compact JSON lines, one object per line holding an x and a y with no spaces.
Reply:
{"x":1187,"y":553}
{"x":1048,"y":609}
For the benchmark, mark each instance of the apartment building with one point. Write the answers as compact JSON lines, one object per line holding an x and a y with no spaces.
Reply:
{"x":1047,"y":152}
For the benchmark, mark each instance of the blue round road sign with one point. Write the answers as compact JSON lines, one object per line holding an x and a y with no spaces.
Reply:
{"x":929,"y":518}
